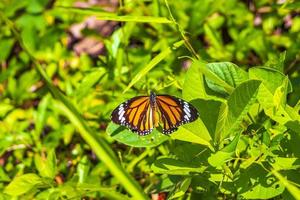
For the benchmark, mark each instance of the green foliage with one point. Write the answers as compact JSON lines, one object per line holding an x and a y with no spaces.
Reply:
{"x":237,"y":63}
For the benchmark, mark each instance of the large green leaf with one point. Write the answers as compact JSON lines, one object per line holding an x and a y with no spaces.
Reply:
{"x":124,"y":135}
{"x":194,"y":132}
{"x":194,"y":83}
{"x":214,"y":77}
{"x":239,"y":103}
{"x":264,"y":191}
{"x":193,"y":87}
{"x":228,"y":72}
{"x":270,"y":78}
{"x":211,"y":112}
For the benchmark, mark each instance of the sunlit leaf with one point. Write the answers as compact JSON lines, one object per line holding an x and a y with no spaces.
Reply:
{"x":126,"y":136}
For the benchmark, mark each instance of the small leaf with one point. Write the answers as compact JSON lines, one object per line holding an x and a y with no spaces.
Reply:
{"x":281,"y":163}
{"x":273,"y":81}
{"x":270,"y":78}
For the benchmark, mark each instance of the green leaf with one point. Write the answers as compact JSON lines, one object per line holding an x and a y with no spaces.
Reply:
{"x":23,"y":184}
{"x":194,"y":132}
{"x":264,"y":191}
{"x":271,"y":78}
{"x":274,"y":106}
{"x":157,"y":59}
{"x":214,"y":77}
{"x":211,"y":113}
{"x":239,"y":103}
{"x":228,"y":72}
{"x":126,"y":136}
{"x":294,"y":126}
{"x":257,"y":183}
{"x":219,"y":158}
{"x":193,"y":87}
{"x":166,"y":165}
{"x":282,"y":163}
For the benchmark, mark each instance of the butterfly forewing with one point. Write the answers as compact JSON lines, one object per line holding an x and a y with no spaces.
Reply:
{"x":174,"y":112}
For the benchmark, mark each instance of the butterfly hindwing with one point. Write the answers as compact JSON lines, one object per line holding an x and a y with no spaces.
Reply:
{"x":174,"y":112}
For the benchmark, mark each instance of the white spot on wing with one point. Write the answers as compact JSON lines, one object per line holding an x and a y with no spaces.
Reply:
{"x":187,"y":110}
{"x":186,"y":117}
{"x":121,"y":115}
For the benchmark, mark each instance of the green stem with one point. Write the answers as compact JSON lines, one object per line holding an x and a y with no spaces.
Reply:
{"x":181,"y":31}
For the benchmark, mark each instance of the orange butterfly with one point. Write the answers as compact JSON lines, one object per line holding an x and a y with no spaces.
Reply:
{"x":143,"y":113}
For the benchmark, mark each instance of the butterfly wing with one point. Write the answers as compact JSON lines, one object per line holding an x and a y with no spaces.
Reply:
{"x":174,"y":112}
{"x":136,"y":114}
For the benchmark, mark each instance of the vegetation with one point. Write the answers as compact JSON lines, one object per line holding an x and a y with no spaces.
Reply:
{"x":63,"y":72}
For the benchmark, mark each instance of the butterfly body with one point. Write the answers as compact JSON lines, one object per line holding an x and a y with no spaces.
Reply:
{"x":144,"y":113}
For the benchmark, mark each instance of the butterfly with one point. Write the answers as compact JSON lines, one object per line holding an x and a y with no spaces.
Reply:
{"x":142,"y":114}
